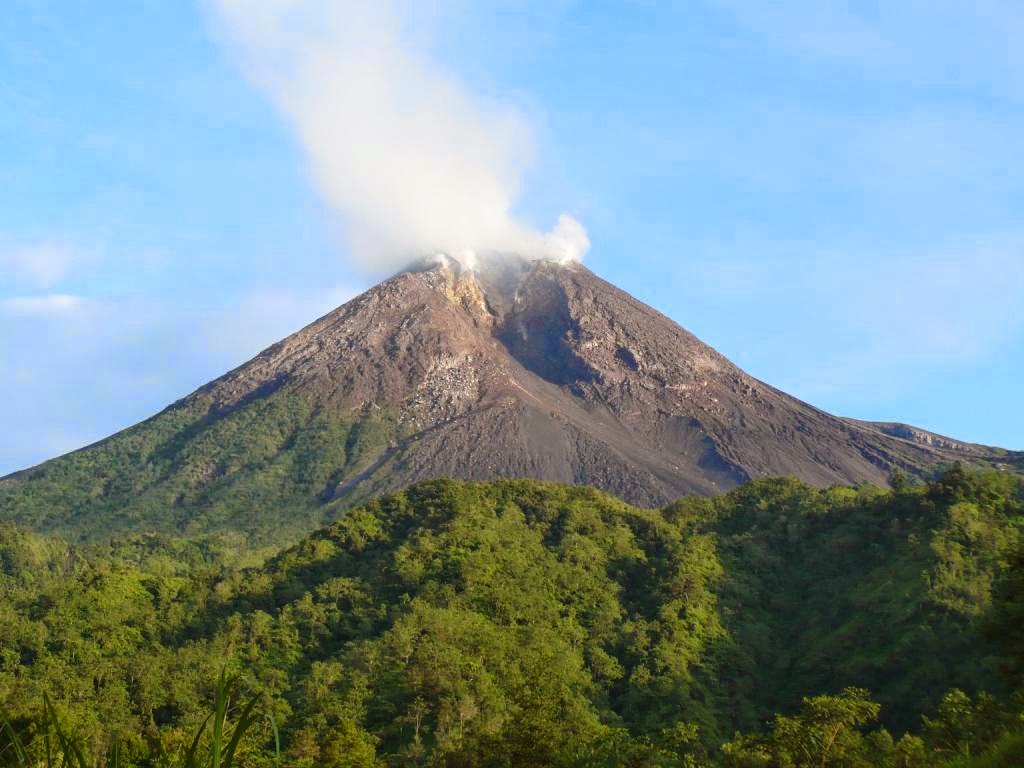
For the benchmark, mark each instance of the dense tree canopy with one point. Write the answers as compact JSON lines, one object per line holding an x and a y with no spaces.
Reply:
{"x":519,"y":623}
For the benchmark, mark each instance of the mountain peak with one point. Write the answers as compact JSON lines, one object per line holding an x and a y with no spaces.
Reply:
{"x":532,"y":368}
{"x":514,"y":368}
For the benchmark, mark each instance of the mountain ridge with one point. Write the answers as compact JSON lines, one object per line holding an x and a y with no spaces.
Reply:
{"x":514,"y":369}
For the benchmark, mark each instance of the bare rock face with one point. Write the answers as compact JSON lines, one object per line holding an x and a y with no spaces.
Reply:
{"x":531,"y":369}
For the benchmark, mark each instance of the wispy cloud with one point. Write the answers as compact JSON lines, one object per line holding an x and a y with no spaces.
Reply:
{"x":38,"y":264}
{"x":910,"y":107}
{"x":48,"y":305}
{"x":870,"y":318}
{"x":918,"y":43}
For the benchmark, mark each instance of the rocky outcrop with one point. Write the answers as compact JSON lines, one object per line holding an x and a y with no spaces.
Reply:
{"x":539,"y":370}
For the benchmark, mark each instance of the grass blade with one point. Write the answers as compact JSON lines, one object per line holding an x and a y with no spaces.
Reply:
{"x":220,"y":714}
{"x":46,"y":730}
{"x":190,"y":755}
{"x":277,"y":738}
{"x":15,"y":744}
{"x":244,"y":721}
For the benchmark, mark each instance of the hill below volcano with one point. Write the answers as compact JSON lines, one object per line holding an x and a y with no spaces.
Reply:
{"x":516,"y":369}
{"x":519,"y":623}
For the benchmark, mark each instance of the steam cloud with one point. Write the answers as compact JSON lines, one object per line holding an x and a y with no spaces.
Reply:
{"x":412,"y":161}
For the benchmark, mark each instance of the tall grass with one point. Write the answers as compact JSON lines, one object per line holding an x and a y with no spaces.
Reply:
{"x":215,"y":744}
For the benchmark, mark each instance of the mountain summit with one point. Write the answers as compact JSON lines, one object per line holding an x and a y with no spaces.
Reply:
{"x":514,"y":369}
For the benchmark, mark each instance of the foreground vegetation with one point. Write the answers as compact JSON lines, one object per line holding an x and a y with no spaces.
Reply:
{"x":519,"y":623}
{"x":45,"y":742}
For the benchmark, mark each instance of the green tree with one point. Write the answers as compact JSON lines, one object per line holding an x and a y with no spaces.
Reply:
{"x":826,"y":733}
{"x":1005,"y":623}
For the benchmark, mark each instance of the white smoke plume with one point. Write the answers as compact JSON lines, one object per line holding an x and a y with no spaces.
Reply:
{"x":413,"y":162}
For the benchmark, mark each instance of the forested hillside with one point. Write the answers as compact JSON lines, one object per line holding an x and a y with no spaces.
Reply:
{"x":257,"y":476}
{"x":522,"y":623}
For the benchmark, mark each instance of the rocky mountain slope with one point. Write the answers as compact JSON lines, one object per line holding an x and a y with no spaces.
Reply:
{"x":517,"y":369}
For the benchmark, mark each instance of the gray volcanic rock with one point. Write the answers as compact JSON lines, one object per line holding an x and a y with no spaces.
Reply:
{"x":532,"y":369}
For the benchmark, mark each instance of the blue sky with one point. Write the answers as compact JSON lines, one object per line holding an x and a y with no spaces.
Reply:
{"x":831,"y":195}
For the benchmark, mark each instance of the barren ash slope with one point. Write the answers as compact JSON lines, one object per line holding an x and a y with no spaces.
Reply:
{"x":516,"y":369}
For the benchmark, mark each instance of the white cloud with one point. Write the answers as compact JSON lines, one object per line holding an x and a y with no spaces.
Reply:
{"x":49,"y":305}
{"x":38,"y":264}
{"x":412,"y":161}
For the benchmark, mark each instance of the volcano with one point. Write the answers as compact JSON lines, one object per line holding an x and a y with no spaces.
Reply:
{"x":513,"y":369}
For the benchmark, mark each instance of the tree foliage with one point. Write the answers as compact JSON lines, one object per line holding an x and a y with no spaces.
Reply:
{"x":518,"y":623}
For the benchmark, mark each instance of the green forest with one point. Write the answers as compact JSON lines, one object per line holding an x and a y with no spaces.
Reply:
{"x":520,"y":623}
